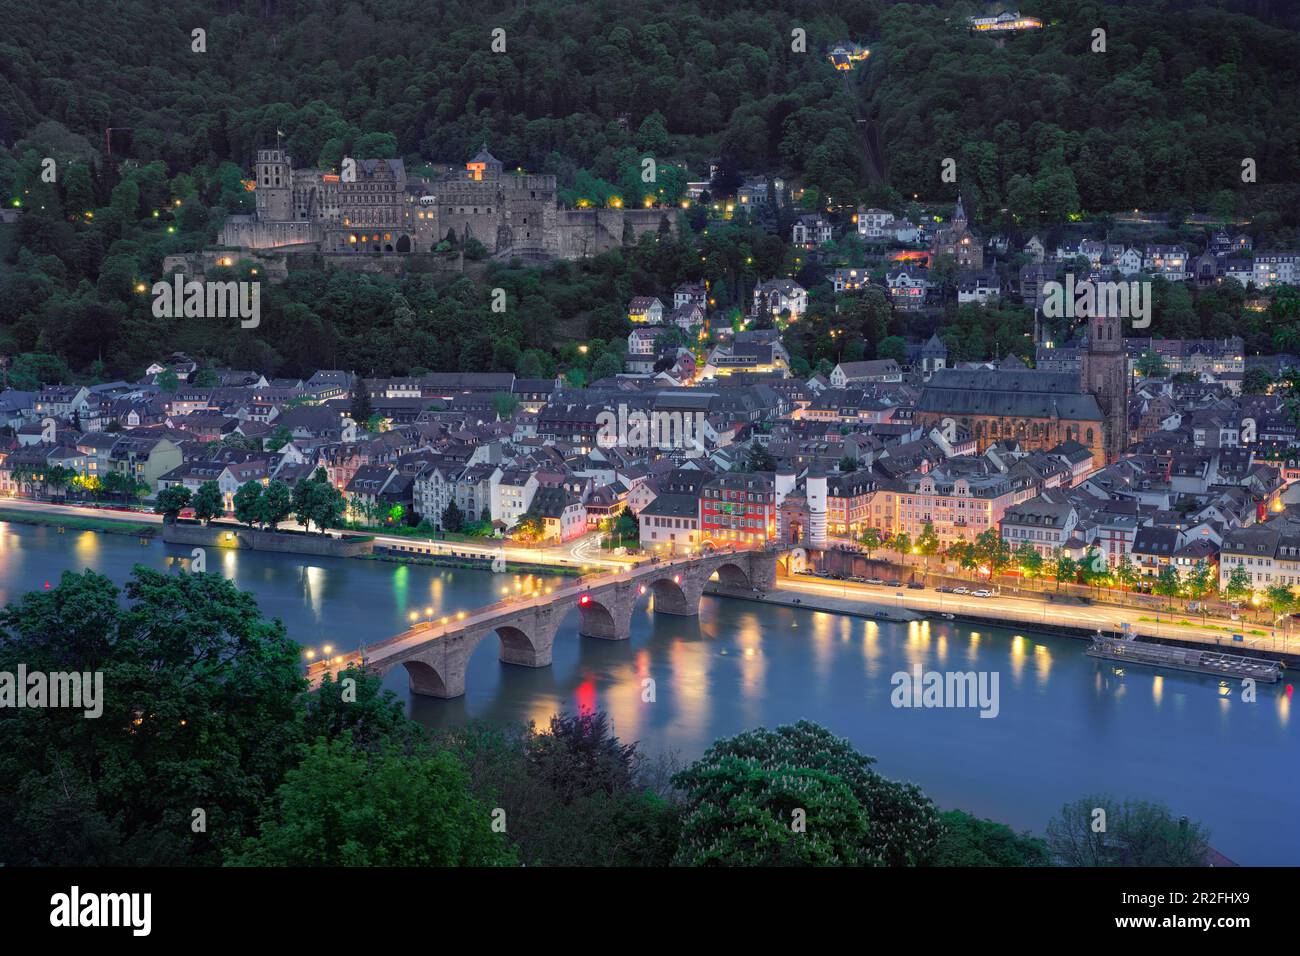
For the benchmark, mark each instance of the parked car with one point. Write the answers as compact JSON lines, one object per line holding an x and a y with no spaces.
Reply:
{"x":981,"y":593}
{"x":893,"y":584}
{"x":915,"y":586}
{"x":943,"y":589}
{"x":875,"y":581}
{"x":961,"y":590}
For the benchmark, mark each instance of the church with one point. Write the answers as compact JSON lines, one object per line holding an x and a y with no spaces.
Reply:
{"x":1040,"y":409}
{"x":958,"y":240}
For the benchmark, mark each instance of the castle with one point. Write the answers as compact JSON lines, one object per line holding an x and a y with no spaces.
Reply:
{"x":383,"y":211}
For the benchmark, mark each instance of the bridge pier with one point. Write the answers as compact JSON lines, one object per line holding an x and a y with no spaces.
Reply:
{"x":436,"y":674}
{"x":530,"y":644}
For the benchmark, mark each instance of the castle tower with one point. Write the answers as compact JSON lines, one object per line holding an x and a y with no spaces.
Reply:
{"x":1103,"y":371}
{"x":274,"y":192}
{"x":959,"y":216}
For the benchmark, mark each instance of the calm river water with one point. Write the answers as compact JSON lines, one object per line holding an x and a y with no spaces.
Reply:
{"x":1067,"y":726}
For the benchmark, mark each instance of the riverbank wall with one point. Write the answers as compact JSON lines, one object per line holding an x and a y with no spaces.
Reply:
{"x":468,"y":561}
{"x":76,"y":523}
{"x":219,"y":535}
{"x":831,"y":605}
{"x":998,"y":615}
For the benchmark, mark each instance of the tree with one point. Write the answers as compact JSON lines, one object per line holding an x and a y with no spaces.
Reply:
{"x":1126,"y":573}
{"x":278,"y":439}
{"x":759,"y":458}
{"x":529,"y":529}
{"x":870,"y":541}
{"x":607,"y":366}
{"x":581,"y":755}
{"x":1239,"y":584}
{"x":248,"y":503}
{"x":1200,"y":581}
{"x":1029,"y":561}
{"x":361,"y":408}
{"x":1168,"y":583}
{"x":505,"y":405}
{"x":964,"y":555}
{"x":325,"y":504}
{"x":741,"y":794}
{"x":453,"y":519}
{"x":1065,"y":569}
{"x":1100,"y":830}
{"x":208,"y":503}
{"x":171,"y":502}
{"x":572,"y":795}
{"x":199,"y":697}
{"x":1256,"y":381}
{"x":1280,"y":599}
{"x":848,"y":463}
{"x":901,"y":544}
{"x":276,"y":504}
{"x":746,"y":814}
{"x":328,"y":812}
{"x":1151,"y":365}
{"x":994,"y":553}
{"x":928,"y":543}
{"x":970,"y":841}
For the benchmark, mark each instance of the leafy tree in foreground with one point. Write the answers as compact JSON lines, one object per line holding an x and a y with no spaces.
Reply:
{"x":579,"y":799}
{"x":198,"y":710}
{"x":970,"y":841}
{"x":344,"y":807}
{"x":1100,"y":830}
{"x":746,"y":814}
{"x":904,"y":826}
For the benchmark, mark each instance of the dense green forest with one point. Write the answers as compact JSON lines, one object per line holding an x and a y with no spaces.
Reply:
{"x":1043,"y":130}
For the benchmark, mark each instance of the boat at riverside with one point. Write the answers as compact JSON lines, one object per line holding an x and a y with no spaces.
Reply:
{"x":1214,"y":663}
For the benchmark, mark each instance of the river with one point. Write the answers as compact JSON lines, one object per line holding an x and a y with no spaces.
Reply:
{"x":1067,"y":726}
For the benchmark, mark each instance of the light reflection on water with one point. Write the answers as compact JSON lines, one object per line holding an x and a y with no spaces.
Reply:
{"x":1068,"y":725}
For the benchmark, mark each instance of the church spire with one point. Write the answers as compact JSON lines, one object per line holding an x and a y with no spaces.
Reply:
{"x":959,"y":214}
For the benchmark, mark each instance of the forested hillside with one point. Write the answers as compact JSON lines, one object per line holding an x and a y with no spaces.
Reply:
{"x":1043,"y":131}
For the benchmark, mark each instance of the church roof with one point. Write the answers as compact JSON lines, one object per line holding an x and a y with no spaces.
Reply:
{"x":934,"y":346}
{"x":1009,"y":393}
{"x":485,"y":157}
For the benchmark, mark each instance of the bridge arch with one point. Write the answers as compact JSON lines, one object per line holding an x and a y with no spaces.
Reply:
{"x":730,"y":574}
{"x":676,"y":592}
{"x":597,"y":619}
{"x":520,"y":647}
{"x":425,"y":679}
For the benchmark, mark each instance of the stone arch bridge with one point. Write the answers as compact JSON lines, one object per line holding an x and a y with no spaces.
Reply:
{"x":437,"y":653}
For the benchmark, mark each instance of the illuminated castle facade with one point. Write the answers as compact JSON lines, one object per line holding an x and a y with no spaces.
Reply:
{"x":383,"y":211}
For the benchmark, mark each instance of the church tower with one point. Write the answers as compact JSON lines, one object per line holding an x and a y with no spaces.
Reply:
{"x":1104,"y":373}
{"x":274,"y":192}
{"x":959,"y":220}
